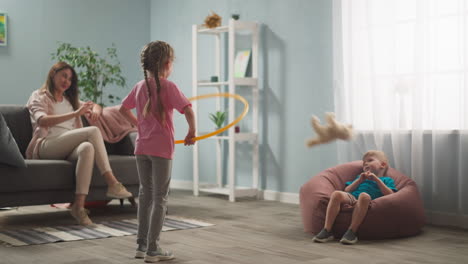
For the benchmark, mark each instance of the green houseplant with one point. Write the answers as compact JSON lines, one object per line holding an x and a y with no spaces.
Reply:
{"x":94,"y":71}
{"x":218,"y":118}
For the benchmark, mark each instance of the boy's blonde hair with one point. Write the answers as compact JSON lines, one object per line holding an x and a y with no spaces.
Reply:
{"x":379,"y":155}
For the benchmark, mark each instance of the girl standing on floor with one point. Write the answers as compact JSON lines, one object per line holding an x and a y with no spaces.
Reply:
{"x":155,"y":98}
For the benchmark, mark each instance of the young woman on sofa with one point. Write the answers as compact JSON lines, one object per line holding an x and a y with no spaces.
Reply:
{"x":58,"y":133}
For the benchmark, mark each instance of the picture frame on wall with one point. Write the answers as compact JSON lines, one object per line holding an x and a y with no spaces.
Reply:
{"x":3,"y":29}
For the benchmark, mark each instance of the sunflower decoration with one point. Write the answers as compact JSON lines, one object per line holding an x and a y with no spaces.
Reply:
{"x":213,"y":20}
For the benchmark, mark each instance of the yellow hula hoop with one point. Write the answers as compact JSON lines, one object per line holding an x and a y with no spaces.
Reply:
{"x":239,"y":118}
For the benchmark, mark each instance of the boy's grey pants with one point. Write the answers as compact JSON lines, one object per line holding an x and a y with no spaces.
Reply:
{"x":155,"y":176}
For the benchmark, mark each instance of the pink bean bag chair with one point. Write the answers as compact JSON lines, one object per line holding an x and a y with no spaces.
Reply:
{"x":396,"y":215}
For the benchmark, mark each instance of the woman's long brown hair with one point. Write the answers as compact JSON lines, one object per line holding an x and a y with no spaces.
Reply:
{"x":72,"y":93}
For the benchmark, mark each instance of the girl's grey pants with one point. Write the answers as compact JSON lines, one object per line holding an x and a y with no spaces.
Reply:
{"x":155,"y":176}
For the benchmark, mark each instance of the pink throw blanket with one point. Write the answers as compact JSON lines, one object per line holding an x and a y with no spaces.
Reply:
{"x":113,"y":125}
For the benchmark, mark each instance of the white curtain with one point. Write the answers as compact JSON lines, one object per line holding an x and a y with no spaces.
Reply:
{"x":401,"y":79}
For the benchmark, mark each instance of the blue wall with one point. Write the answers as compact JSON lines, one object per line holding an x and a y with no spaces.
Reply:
{"x":295,"y":78}
{"x":295,"y":67}
{"x":35,"y":27}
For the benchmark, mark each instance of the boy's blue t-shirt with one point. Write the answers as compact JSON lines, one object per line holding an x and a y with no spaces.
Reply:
{"x":371,"y":187}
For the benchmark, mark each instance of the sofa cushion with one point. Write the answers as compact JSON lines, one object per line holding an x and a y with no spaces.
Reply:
{"x":126,"y":146}
{"x":39,"y":175}
{"x":9,"y":151}
{"x":19,"y":121}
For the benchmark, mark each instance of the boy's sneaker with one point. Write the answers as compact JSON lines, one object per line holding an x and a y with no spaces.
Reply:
{"x":349,"y":238}
{"x":118,"y":191}
{"x":140,"y":252}
{"x":81,"y":216}
{"x":323,"y":236}
{"x":159,"y":255}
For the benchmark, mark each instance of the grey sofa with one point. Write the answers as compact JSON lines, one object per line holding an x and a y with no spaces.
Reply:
{"x":53,"y":181}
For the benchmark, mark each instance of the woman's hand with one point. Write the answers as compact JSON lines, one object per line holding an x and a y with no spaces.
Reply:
{"x":84,"y":109}
{"x":52,"y":120}
{"x":94,"y":116}
{"x":96,"y":113}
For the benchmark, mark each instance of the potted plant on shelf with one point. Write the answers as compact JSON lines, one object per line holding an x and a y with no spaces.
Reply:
{"x":218,"y":119}
{"x":94,"y":71}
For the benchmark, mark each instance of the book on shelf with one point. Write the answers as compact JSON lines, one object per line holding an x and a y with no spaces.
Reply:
{"x":241,"y":63}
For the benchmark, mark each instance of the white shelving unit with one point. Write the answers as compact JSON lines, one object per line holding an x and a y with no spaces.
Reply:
{"x":232,"y":83}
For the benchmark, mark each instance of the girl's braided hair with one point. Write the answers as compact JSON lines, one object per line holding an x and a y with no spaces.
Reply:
{"x":154,"y":58}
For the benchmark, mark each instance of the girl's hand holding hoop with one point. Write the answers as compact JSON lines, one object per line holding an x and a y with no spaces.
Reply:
{"x":189,"y":139}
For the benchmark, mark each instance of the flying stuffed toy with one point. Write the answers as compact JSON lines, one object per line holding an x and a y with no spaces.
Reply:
{"x":331,"y":131}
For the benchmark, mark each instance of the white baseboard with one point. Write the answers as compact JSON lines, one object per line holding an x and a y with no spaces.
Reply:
{"x":447,"y":219}
{"x":283,"y":197}
{"x":181,"y":185}
{"x":269,"y":195}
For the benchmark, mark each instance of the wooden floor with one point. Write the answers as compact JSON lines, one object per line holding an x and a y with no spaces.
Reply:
{"x":248,"y":231}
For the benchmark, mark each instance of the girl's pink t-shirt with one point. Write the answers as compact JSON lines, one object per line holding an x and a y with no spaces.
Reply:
{"x":153,"y":138}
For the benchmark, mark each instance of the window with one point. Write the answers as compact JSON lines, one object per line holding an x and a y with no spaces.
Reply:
{"x":403,"y":64}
